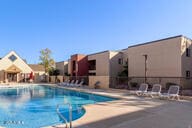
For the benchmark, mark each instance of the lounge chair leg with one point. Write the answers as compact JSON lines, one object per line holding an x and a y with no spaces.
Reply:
{"x":178,"y":98}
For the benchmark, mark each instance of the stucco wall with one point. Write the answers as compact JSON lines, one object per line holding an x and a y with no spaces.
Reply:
{"x":102,"y":63}
{"x":186,"y":64}
{"x":62,"y":67}
{"x":6,"y":63}
{"x":81,"y":65}
{"x":115,"y":67}
{"x":69,"y":66}
{"x":104,"y":81}
{"x":163,"y":59}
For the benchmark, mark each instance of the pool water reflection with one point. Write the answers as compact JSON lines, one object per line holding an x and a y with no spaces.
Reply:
{"x":35,"y":106}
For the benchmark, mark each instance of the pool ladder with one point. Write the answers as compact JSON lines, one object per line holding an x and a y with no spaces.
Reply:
{"x":70,"y":115}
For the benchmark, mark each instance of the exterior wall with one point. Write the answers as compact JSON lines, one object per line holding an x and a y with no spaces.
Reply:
{"x":38,"y":76}
{"x":2,"y":76}
{"x":115,"y":67}
{"x":106,"y":66}
{"x":6,"y":63}
{"x":163,"y":59}
{"x":104,"y":81}
{"x":62,"y":67}
{"x":17,"y":66}
{"x":81,"y":66}
{"x":102,"y":63}
{"x":69,"y":67}
{"x":186,"y":64}
{"x":60,"y":78}
{"x":52,"y":79}
{"x":125,"y":56}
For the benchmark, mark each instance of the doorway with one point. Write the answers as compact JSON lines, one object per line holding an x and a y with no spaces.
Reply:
{"x":12,"y":77}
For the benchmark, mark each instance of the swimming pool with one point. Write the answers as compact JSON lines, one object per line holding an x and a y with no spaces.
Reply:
{"x":35,"y":106}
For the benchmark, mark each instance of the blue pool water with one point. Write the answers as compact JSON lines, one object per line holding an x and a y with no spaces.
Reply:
{"x":35,"y":106}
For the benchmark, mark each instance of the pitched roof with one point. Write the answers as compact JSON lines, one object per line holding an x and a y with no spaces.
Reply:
{"x":37,"y":67}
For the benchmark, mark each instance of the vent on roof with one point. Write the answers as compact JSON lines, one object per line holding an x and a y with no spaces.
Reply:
{"x":12,"y":58}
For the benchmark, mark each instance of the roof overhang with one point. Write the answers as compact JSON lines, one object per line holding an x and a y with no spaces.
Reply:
{"x":13,"y":69}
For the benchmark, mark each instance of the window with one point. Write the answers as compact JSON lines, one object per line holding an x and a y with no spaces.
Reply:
{"x":188,"y":74}
{"x":74,"y":65}
{"x":188,"y":51}
{"x":120,"y":61}
{"x":12,"y":58}
{"x":92,"y":64}
{"x":92,"y":74}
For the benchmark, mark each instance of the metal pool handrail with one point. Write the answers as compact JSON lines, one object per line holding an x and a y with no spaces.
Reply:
{"x":70,"y":114}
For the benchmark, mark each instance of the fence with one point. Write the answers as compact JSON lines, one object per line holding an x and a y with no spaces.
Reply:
{"x":132,"y":83}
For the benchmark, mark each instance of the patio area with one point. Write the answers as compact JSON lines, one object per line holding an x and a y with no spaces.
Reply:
{"x":131,"y":111}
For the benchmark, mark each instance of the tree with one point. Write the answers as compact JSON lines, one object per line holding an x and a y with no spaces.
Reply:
{"x":54,"y":72}
{"x":124,"y":73}
{"x":46,"y":59}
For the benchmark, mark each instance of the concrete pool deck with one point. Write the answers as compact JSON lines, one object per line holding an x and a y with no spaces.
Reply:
{"x":133,"y":112}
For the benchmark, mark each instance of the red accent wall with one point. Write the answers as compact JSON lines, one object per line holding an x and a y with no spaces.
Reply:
{"x":81,"y":65}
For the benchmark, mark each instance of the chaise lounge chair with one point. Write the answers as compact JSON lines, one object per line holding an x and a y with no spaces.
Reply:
{"x":63,"y":83}
{"x":156,"y":91}
{"x":70,"y":83}
{"x":142,"y":89}
{"x":74,"y":83}
{"x":173,"y":93}
{"x":79,"y":85}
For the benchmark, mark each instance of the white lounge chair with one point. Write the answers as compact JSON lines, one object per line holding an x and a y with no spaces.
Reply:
{"x":75,"y":82}
{"x":156,"y":91}
{"x":71,"y":83}
{"x":63,"y":83}
{"x":173,"y":93}
{"x":142,"y":89}
{"x":79,"y":85}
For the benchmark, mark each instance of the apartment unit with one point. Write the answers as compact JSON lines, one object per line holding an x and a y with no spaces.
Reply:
{"x":106,"y":63}
{"x":62,"y":67}
{"x":104,"y":66}
{"x":78,"y":65}
{"x":169,"y":57}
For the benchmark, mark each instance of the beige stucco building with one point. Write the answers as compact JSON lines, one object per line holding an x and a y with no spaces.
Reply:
{"x":14,"y":69}
{"x":161,"y":61}
{"x":106,"y":63}
{"x":103,"y":66}
{"x":62,"y":67}
{"x":169,"y":59}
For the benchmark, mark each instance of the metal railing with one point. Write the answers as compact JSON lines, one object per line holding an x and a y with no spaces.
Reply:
{"x":127,"y":82}
{"x":63,"y":118}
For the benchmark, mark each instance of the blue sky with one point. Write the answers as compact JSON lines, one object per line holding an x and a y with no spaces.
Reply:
{"x":87,"y":26}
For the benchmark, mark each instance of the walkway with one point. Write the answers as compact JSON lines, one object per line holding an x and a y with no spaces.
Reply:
{"x":135,"y":112}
